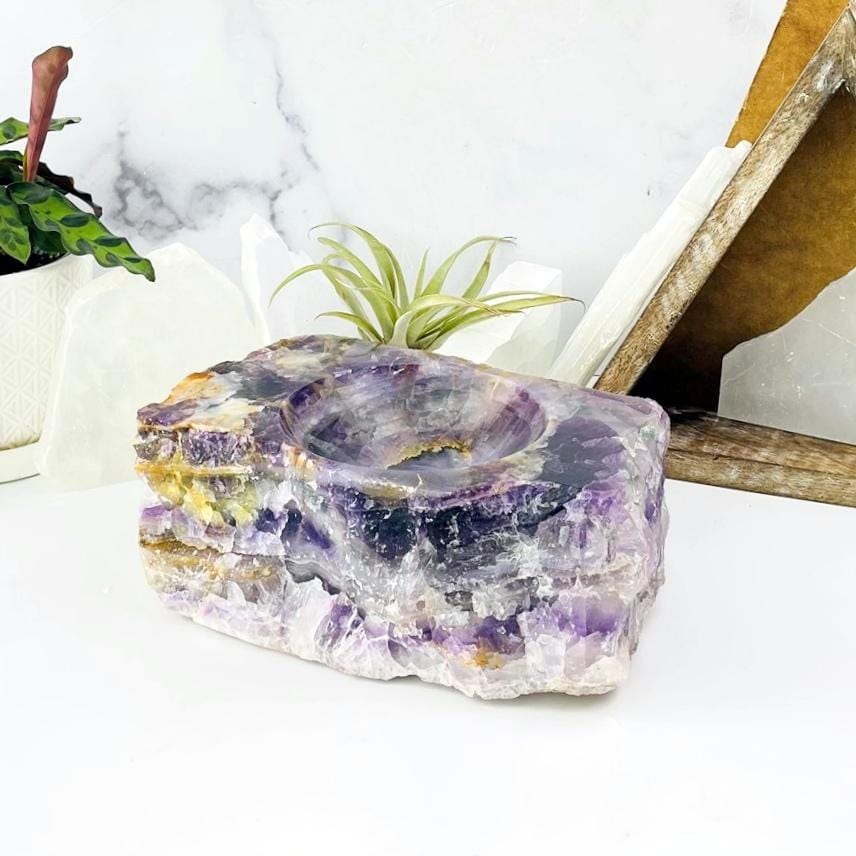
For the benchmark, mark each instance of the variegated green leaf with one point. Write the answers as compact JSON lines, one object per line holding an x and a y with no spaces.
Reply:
{"x":65,"y":184}
{"x":14,"y":129}
{"x":10,"y":166}
{"x":81,"y":233}
{"x":47,"y":244}
{"x":12,"y":162}
{"x":14,"y":235}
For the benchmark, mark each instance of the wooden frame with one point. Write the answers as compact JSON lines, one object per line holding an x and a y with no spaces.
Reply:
{"x":707,"y":448}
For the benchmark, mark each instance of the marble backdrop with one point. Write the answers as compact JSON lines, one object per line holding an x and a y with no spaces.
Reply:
{"x":567,"y":123}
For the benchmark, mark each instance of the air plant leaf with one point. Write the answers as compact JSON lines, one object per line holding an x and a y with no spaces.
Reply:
{"x":383,"y":306}
{"x":435,"y":334}
{"x":14,"y":234}
{"x":471,"y":292}
{"x":420,"y":275}
{"x":428,"y":317}
{"x":12,"y":129}
{"x":344,"y":291}
{"x":81,"y":233}
{"x":423,"y":304}
{"x":438,"y":335}
{"x":353,"y":260}
{"x":474,"y":289}
{"x":379,"y":296}
{"x":49,"y":70}
{"x":401,"y":287}
{"x":298,"y":272}
{"x":361,"y":323}
{"x":435,"y":284}
{"x":384,"y":259}
{"x":528,"y":302}
{"x":375,"y":296}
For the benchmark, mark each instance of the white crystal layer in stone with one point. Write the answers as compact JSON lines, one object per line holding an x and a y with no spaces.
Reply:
{"x":801,"y":377}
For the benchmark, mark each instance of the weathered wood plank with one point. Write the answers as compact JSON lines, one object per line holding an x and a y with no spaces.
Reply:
{"x":714,"y":435}
{"x":704,"y":447}
{"x":710,"y":449}
{"x":761,"y":478}
{"x":849,"y":50}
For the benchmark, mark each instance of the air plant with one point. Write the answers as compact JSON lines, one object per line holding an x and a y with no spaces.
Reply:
{"x":38,"y":220}
{"x":385,"y":309}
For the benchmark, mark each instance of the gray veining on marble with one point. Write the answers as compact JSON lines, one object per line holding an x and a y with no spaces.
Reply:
{"x":569,"y":125}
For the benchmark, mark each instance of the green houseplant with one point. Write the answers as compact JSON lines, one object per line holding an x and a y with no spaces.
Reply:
{"x":39,"y":222}
{"x":385,"y":308}
{"x":49,"y":233}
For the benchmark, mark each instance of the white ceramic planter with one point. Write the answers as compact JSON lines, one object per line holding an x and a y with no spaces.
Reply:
{"x":32,"y":312}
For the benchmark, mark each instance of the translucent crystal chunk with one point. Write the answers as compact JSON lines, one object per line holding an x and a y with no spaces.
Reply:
{"x":391,"y":512}
{"x":125,"y":340}
{"x":801,"y":377}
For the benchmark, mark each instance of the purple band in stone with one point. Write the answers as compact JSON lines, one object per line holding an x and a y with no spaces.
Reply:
{"x":392,"y":512}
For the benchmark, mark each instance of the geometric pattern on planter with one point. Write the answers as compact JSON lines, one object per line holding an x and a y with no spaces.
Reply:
{"x":32,"y":312}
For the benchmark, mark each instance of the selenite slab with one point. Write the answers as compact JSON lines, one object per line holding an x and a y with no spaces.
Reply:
{"x":391,"y":512}
{"x":123,"y":344}
{"x":636,"y":277}
{"x":801,"y":377}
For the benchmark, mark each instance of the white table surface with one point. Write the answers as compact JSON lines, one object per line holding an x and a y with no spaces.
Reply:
{"x":127,"y":730}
